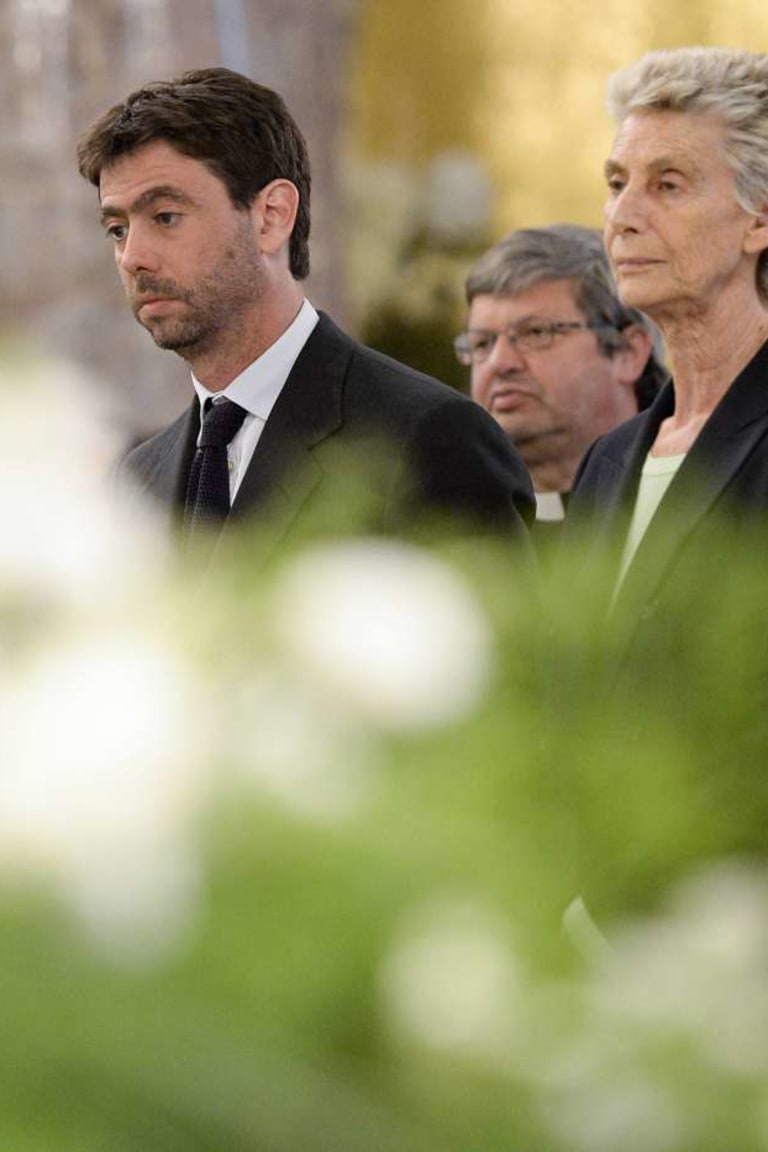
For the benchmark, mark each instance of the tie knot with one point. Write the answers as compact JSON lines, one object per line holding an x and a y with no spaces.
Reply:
{"x":221,"y":420}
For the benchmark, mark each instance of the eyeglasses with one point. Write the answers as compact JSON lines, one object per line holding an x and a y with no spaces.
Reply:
{"x":476,"y":345}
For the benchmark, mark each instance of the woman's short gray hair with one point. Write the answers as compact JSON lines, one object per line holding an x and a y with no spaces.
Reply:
{"x":729,"y":82}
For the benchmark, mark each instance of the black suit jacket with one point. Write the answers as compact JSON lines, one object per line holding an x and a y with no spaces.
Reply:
{"x":720,"y":491}
{"x":426,"y":448}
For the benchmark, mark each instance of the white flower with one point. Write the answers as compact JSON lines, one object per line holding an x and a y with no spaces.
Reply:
{"x":64,"y":534}
{"x":700,"y":968}
{"x":100,"y":784}
{"x":677,"y":1004}
{"x":286,"y":742}
{"x":452,"y":980}
{"x":386,"y":629}
{"x":616,"y":1112}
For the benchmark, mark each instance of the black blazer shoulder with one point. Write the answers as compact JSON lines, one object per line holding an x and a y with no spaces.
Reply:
{"x":728,"y":462}
{"x":442,"y":451}
{"x":719,"y":490}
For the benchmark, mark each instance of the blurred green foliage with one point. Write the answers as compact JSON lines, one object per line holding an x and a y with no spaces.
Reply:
{"x":395,"y":974}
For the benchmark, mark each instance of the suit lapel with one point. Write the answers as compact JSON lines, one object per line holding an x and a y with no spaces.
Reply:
{"x":162,"y":470}
{"x":284,"y":469}
{"x":725,"y":443}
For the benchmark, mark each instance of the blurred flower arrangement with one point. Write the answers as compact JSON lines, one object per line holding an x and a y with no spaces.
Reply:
{"x":417,"y":234}
{"x":365,"y":851}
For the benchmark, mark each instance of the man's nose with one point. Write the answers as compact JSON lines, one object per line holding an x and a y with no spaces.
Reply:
{"x":505,"y":356}
{"x":137,"y":254}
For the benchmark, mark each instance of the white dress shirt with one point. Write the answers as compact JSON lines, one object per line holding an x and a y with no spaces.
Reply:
{"x":257,"y":388}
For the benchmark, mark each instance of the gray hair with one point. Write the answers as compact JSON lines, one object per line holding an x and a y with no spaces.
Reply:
{"x":531,"y":256}
{"x":729,"y":82}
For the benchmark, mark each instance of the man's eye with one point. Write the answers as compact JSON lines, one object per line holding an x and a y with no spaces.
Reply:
{"x":615,"y":185}
{"x":167,"y":219}
{"x":116,"y":232}
{"x":534,"y":330}
{"x":483,"y":343}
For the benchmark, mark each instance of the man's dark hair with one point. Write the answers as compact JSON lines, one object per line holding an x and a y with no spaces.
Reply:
{"x":239,"y":129}
{"x":531,"y":256}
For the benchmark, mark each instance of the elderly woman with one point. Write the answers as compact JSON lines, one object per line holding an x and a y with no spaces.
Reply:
{"x":686,"y":229}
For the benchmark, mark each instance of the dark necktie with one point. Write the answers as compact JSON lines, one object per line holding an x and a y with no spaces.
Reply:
{"x":207,"y":498}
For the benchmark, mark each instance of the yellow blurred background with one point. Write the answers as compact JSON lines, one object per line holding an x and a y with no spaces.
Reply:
{"x":469,"y":118}
{"x":518,"y":83}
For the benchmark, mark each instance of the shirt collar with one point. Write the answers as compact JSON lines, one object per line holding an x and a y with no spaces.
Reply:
{"x":258,"y":386}
{"x":551,"y":505}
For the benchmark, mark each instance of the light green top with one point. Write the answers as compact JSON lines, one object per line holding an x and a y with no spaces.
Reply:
{"x":655,"y":478}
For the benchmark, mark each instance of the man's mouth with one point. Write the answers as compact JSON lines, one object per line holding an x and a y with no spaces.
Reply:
{"x":508,"y":399}
{"x":141,"y":303}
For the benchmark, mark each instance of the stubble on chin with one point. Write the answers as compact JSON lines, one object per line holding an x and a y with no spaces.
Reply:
{"x":211,"y":312}
{"x":178,"y":337}
{"x":181,"y":332}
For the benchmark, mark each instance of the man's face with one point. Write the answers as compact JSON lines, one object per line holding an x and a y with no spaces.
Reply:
{"x":676,"y":234}
{"x":188,"y":259}
{"x":564,"y":393}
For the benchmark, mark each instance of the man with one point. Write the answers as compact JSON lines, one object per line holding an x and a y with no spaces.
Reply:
{"x":204,"y":189}
{"x":554,"y":355}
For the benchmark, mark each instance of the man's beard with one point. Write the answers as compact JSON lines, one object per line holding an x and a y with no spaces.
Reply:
{"x":211,"y":308}
{"x":172,"y":333}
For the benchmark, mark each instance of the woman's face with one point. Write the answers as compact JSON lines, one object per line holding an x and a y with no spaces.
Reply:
{"x":675,"y":232}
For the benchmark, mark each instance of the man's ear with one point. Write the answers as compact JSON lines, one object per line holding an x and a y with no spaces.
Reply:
{"x":631,"y":357}
{"x":274,"y":214}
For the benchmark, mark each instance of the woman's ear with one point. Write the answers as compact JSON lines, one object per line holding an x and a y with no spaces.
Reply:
{"x":756,"y":239}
